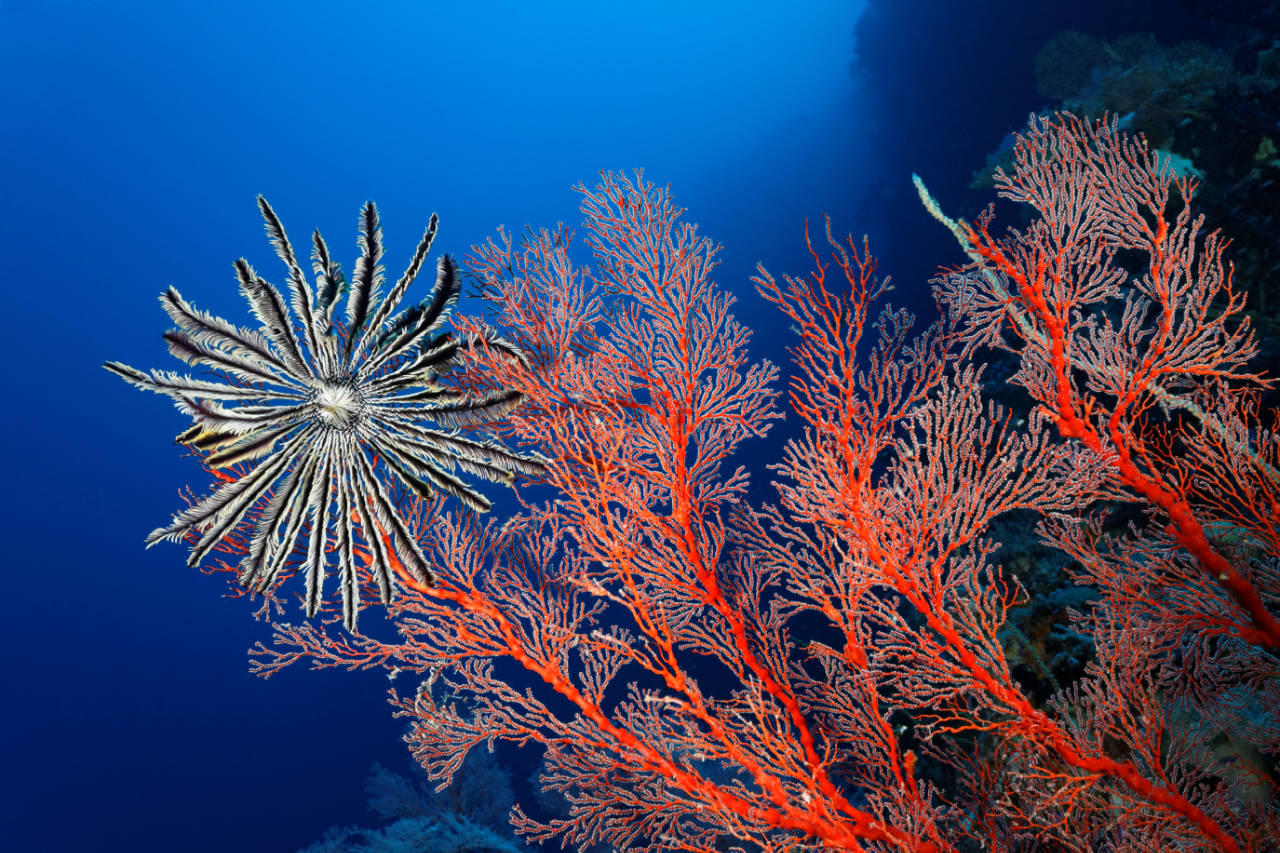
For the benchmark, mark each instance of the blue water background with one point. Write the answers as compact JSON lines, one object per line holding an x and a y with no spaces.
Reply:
{"x":133,"y":139}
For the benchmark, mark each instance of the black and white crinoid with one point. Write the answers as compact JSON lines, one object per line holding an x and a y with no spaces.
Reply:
{"x":327,"y":417}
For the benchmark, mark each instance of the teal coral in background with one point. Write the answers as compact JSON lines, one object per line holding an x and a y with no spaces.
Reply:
{"x":467,"y":816}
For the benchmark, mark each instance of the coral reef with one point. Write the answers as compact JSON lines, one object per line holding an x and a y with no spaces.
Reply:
{"x":1213,"y":110}
{"x":834,"y":668}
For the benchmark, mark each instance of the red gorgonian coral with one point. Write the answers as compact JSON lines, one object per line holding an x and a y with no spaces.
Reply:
{"x":825,"y":671}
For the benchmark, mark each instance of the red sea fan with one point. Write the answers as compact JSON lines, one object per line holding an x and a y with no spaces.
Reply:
{"x":828,"y":671}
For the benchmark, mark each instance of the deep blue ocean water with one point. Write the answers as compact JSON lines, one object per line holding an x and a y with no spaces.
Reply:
{"x":134,"y":137}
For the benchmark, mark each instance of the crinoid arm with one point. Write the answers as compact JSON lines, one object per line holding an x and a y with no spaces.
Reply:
{"x":319,"y":424}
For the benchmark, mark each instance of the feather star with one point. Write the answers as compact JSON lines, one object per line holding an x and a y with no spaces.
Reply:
{"x":326,"y":414}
